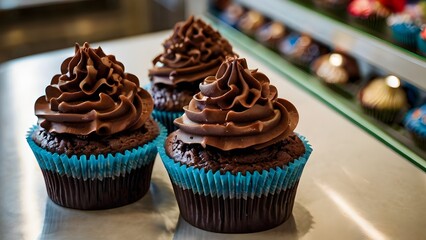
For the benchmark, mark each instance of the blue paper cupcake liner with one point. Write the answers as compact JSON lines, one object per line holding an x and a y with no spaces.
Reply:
{"x":216,"y":184}
{"x":405,"y":34}
{"x":166,"y":118}
{"x":415,"y":128}
{"x":96,"y":166}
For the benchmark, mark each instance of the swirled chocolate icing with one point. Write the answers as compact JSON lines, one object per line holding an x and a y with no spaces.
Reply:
{"x":193,"y":52}
{"x":93,"y":95}
{"x":237,"y":108}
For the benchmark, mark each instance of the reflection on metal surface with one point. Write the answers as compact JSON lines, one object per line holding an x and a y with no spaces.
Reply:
{"x":155,"y":216}
{"x":297,"y":226}
{"x":27,"y":185}
{"x":345,"y":207}
{"x":30,"y":214}
{"x":287,"y":230}
{"x":165,"y":202}
{"x":54,"y":217}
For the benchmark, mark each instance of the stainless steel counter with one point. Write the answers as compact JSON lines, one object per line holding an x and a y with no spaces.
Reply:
{"x":353,"y":186}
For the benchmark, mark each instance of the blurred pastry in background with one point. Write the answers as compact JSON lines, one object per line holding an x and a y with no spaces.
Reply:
{"x":368,"y":13}
{"x":384,"y":99}
{"x":232,"y":14}
{"x":336,"y":68}
{"x":404,"y":28}
{"x":301,"y":49}
{"x":395,"y":6}
{"x":415,"y":123}
{"x":271,"y":33}
{"x":250,"y":22}
{"x":331,"y":4}
{"x":421,"y":41}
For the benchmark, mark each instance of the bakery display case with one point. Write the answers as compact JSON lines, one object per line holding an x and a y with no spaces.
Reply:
{"x":352,"y":184}
{"x":331,"y":31}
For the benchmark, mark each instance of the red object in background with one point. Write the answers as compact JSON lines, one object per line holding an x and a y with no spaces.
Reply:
{"x":394,"y":5}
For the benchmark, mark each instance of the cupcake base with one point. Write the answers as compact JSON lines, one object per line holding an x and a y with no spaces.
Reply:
{"x":375,"y":23}
{"x":110,"y":192}
{"x":97,"y":181}
{"x":407,"y":39}
{"x":235,"y":215}
{"x":388,"y":116}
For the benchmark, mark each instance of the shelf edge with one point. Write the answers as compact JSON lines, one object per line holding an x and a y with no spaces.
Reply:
{"x":339,"y":35}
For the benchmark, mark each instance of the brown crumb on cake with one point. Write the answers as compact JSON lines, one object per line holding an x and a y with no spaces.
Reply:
{"x":238,"y":160}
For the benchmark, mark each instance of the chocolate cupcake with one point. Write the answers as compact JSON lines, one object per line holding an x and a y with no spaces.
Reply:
{"x":95,"y":141}
{"x":193,"y":51}
{"x":384,"y":99}
{"x":235,"y":162}
{"x":336,"y":69}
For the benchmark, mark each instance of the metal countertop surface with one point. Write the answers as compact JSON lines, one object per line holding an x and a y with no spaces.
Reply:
{"x":353,"y":186}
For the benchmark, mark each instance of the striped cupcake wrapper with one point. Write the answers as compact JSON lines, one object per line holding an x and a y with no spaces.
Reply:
{"x":228,"y":185}
{"x":97,"y":166}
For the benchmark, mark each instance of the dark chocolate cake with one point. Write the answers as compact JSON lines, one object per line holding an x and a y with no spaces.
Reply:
{"x":93,"y":144}
{"x":236,"y":160}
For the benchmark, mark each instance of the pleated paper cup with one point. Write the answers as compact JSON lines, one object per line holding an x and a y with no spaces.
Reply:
{"x":166,"y":118}
{"x":97,"y":181}
{"x":235,"y":203}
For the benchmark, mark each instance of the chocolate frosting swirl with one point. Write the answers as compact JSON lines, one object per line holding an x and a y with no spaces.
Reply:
{"x":194,"y":51}
{"x":93,"y":95}
{"x":237,"y":108}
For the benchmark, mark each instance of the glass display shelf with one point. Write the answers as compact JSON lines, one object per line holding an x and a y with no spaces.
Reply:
{"x":393,"y":136}
{"x":355,"y":40}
